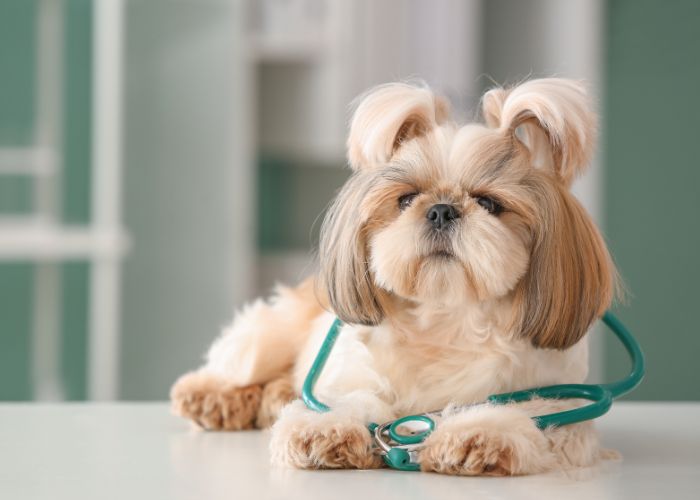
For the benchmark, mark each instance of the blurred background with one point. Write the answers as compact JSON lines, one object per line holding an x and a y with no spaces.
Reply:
{"x":163,"y":161}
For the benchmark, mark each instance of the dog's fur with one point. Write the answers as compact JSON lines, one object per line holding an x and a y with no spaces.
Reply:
{"x":434,"y":319}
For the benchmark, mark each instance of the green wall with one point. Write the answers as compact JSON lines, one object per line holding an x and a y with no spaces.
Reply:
{"x":16,"y":108}
{"x":17,"y":76}
{"x":292,"y":199}
{"x":652,"y":197}
{"x":653,"y":184}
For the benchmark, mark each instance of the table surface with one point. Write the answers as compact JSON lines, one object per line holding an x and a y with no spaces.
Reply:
{"x":138,"y":450}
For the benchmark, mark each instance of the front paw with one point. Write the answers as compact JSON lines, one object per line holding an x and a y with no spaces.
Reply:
{"x":213,"y":403}
{"x":490,"y":441}
{"x":308,"y":440}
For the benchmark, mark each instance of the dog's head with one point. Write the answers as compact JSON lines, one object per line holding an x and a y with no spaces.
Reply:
{"x":437,"y":213}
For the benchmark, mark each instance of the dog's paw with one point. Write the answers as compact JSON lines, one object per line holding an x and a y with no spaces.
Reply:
{"x":469,"y":454}
{"x":487,"y":441}
{"x":275,"y":396}
{"x":308,"y":440}
{"x":213,"y":403}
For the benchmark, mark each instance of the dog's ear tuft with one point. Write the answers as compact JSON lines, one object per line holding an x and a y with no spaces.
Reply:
{"x":388,"y":116}
{"x":571,"y":279}
{"x":344,"y":269}
{"x":552,"y":117}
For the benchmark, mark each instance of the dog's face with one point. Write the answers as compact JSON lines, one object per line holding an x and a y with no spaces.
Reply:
{"x":437,"y":213}
{"x":450,"y":220}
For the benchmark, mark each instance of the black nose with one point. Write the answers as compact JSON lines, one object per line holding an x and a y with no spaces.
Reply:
{"x":441,"y":215}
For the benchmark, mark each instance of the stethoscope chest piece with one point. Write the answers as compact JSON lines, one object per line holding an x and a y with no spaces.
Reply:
{"x":412,"y":429}
{"x":400,"y":440}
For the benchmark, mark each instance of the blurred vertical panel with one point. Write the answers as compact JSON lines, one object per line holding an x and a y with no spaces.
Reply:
{"x":18,"y":59}
{"x":15,"y":323}
{"x":74,"y":329}
{"x":77,"y":96}
{"x":437,"y":41}
{"x":653,"y":183}
{"x":17,"y":46}
{"x":188,"y":185}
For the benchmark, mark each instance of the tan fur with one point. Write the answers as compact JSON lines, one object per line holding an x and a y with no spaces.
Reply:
{"x":214,"y":403}
{"x":504,"y":441}
{"x":480,"y":448}
{"x":321,"y":441}
{"x":498,"y":301}
{"x":571,"y":278}
{"x":343,"y":259}
{"x":560,"y":108}
{"x":387,"y":116}
{"x":275,"y":396}
{"x":266,"y":336}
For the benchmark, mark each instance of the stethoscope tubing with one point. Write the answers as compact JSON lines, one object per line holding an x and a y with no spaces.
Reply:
{"x":600,"y":395}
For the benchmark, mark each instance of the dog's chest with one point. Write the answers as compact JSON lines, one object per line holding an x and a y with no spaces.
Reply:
{"x":419,"y":373}
{"x":466,"y":366}
{"x":426,"y":376}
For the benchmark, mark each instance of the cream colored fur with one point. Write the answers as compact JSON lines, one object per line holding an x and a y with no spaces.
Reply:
{"x":500,"y":302}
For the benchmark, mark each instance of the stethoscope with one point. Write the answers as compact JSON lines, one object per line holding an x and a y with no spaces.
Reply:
{"x":399,"y":441}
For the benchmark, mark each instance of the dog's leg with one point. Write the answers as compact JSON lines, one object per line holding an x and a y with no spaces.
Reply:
{"x":214,"y":403}
{"x":337,"y":439}
{"x":503,"y":440}
{"x":275,"y":396}
{"x":247,"y":365}
{"x":357,"y":394}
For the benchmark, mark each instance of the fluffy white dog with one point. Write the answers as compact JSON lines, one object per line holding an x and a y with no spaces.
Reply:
{"x":461,"y":266}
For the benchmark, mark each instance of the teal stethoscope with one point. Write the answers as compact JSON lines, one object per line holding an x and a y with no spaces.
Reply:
{"x":400,"y":440}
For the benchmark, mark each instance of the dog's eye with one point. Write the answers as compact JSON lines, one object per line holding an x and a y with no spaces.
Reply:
{"x":491,"y":205}
{"x":406,"y":200}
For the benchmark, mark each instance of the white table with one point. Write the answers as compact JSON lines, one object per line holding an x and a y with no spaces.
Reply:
{"x":139,"y":451}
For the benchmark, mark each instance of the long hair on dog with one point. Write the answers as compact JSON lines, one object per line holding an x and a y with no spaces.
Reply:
{"x":460,"y":264}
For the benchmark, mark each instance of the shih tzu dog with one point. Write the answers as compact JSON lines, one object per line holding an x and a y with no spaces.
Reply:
{"x":461,"y":266}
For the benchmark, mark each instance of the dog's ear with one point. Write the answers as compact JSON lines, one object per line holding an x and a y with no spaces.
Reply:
{"x":386,"y":117}
{"x":552,"y":117}
{"x":344,"y":272}
{"x":571,"y":279}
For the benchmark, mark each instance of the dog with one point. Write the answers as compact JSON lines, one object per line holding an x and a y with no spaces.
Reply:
{"x":460,"y":264}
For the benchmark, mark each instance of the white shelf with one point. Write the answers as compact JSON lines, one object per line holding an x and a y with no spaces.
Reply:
{"x":48,"y":242}
{"x":26,"y":161}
